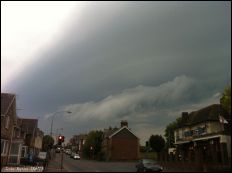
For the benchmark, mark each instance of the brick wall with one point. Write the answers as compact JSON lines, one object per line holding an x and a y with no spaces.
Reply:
{"x":124,"y":149}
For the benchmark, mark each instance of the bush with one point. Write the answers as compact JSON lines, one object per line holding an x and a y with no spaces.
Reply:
{"x":101,"y":156}
{"x":142,"y":149}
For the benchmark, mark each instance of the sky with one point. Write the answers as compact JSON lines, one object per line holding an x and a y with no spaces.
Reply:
{"x":144,"y":62}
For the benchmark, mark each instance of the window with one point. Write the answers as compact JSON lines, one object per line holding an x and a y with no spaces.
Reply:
{"x":16,"y":132}
{"x":4,"y":147}
{"x":24,"y":151}
{"x":15,"y":153}
{"x":14,"y":148}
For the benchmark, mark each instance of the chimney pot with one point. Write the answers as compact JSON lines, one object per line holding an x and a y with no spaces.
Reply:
{"x":124,"y":123}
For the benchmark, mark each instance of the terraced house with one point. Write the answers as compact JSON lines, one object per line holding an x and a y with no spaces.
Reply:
{"x":205,"y":135}
{"x":11,"y":139}
{"x":18,"y":135}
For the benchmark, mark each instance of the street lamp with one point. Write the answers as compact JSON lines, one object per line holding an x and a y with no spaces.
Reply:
{"x":69,"y":112}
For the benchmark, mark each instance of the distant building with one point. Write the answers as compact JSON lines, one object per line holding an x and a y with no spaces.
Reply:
{"x":77,"y":142}
{"x":120,"y":143}
{"x":202,"y":136}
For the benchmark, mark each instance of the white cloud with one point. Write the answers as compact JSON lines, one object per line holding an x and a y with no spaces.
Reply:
{"x":148,"y":109}
{"x":133,"y":101}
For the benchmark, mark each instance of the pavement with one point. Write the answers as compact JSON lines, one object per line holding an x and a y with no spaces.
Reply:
{"x":54,"y":165}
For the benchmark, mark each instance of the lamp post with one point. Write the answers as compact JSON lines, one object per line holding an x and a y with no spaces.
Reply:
{"x":69,"y":112}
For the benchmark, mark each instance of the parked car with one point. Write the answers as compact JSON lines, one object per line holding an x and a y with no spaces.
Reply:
{"x":75,"y":155}
{"x":58,"y":149}
{"x":68,"y":151}
{"x":148,"y":165}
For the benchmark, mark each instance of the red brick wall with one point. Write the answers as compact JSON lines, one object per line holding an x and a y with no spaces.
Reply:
{"x":124,"y":149}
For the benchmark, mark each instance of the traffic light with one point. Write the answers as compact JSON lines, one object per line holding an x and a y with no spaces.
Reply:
{"x":60,"y":140}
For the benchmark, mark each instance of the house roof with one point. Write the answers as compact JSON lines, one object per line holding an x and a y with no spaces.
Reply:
{"x":117,"y":131}
{"x":109,"y":132}
{"x":6,"y":102}
{"x":28,"y":125}
{"x":209,"y":113}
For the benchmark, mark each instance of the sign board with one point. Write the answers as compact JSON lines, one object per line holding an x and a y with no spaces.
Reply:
{"x":42,"y":155}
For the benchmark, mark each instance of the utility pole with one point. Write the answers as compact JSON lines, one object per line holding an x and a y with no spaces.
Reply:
{"x":61,"y":163}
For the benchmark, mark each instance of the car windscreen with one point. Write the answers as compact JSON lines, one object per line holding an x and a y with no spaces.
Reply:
{"x":149,"y":162}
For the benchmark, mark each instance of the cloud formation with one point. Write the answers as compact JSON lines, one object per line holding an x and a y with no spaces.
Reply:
{"x":136,"y":100}
{"x":152,"y":107}
{"x":141,"y":61}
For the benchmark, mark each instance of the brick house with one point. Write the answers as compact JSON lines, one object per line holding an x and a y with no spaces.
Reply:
{"x":120,"y":143}
{"x":11,"y":138}
{"x":33,"y":135}
{"x":16,"y":133}
{"x":201,"y":137}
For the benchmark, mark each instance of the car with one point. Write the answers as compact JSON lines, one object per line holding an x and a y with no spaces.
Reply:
{"x":148,"y":165}
{"x":58,"y":149}
{"x":76,"y":156}
{"x":68,"y":151}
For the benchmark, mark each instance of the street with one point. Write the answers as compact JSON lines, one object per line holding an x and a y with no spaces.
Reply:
{"x":82,"y":165}
{"x":71,"y":165}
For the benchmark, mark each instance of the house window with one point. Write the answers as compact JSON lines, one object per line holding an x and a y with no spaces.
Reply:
{"x":4,"y":147}
{"x":24,"y":151}
{"x":15,"y":153}
{"x":16,"y":132}
{"x":7,"y":122}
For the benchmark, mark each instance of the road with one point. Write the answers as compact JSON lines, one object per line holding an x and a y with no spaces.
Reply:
{"x":96,"y":166}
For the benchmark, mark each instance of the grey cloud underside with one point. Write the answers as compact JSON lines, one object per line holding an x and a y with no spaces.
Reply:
{"x":117,"y":48}
{"x":152,"y":107}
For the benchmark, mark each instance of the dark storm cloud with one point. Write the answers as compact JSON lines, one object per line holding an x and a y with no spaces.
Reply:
{"x":116,"y":48}
{"x":141,"y":105}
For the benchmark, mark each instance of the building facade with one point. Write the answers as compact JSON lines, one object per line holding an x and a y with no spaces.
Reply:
{"x":33,"y":135}
{"x":16,"y":138}
{"x":120,"y":143}
{"x":202,"y":137}
{"x":77,"y":142}
{"x":11,"y":137}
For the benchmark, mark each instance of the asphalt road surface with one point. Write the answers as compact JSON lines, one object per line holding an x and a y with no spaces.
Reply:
{"x":96,"y":166}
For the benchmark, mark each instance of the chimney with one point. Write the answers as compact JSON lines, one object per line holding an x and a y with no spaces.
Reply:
{"x":124,"y":123}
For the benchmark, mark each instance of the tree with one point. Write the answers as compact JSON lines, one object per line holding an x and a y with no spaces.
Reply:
{"x":47,"y":143}
{"x":93,"y":144}
{"x":169,"y":132}
{"x":225,"y":100}
{"x":157,"y":142}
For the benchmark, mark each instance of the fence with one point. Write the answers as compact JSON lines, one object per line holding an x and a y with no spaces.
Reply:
{"x":198,"y":164}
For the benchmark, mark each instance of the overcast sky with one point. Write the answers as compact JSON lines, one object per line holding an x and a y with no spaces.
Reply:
{"x":145,"y":62}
